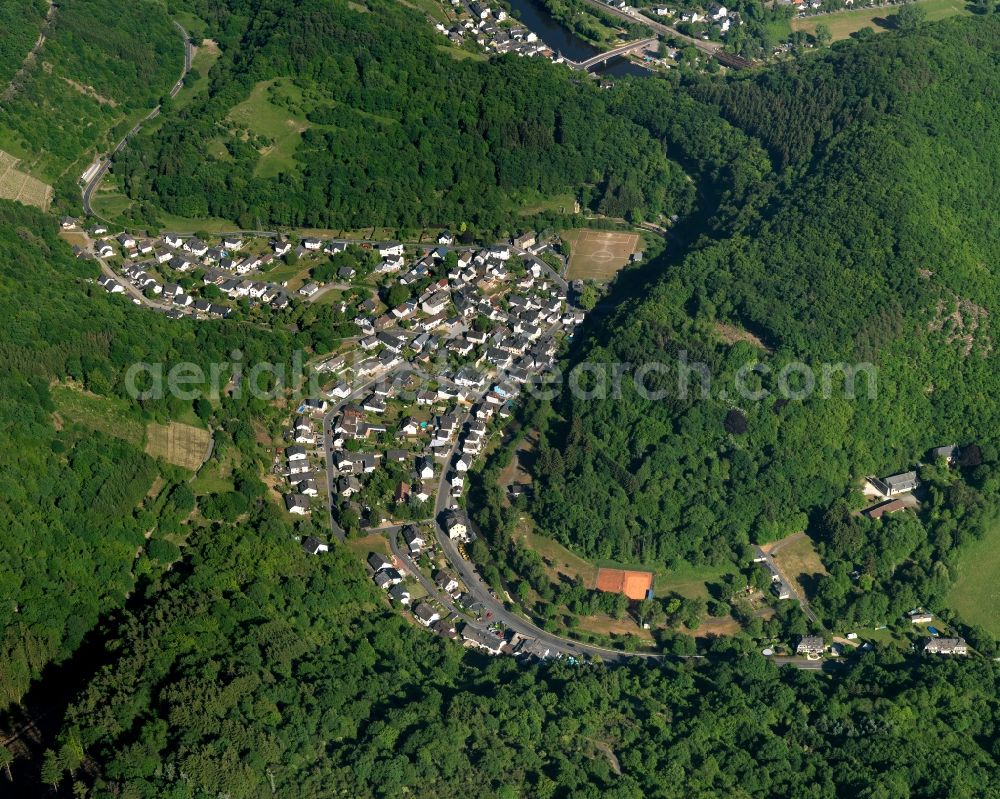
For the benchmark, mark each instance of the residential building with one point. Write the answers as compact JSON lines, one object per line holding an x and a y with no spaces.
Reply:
{"x":810,"y":645}
{"x":400,"y":593}
{"x":425,"y":614}
{"x":297,"y":504}
{"x":377,"y":561}
{"x":313,"y":546}
{"x":482,"y":639}
{"x":946,"y":646}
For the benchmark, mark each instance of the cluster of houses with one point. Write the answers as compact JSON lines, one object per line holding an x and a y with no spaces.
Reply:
{"x":298,"y":469}
{"x":146,"y":262}
{"x":439,"y":431}
{"x":715,"y":17}
{"x":813,"y":646}
{"x":493,"y":31}
{"x":489,"y":640}
{"x":894,"y":491}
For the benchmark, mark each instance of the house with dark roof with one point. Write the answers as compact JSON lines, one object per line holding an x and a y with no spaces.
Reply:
{"x":896,"y":484}
{"x":414,"y":539}
{"x":377,"y":561}
{"x":810,"y":645}
{"x":445,"y":581}
{"x":400,"y":593}
{"x":313,"y":546}
{"x":296,"y":503}
{"x":878,"y":511}
{"x":425,"y":614}
{"x":481,"y":639}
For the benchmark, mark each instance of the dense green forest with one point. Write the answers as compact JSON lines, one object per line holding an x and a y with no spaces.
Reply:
{"x":395,"y":131}
{"x":21,"y":22}
{"x":102,"y":61}
{"x":74,"y":511}
{"x":262,"y":672}
{"x":871,"y":241}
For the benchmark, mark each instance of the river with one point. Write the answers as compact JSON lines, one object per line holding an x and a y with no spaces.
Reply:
{"x":538,"y":20}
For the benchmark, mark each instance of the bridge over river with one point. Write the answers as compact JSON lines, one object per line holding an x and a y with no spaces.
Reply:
{"x":602,"y":58}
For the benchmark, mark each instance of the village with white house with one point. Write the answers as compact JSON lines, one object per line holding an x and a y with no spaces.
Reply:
{"x":408,"y":407}
{"x":448,"y":338}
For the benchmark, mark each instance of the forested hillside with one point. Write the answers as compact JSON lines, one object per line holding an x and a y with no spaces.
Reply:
{"x":846,"y":212}
{"x":102,"y":61}
{"x":75,"y":510}
{"x":262,"y":672}
{"x":21,"y":22}
{"x":393,"y":130}
{"x":872,"y":241}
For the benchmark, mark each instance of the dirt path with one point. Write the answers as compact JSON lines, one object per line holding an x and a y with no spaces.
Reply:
{"x":91,"y":92}
{"x":29,"y":59}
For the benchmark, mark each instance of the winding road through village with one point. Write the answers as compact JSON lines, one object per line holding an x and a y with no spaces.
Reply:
{"x":494,"y":608}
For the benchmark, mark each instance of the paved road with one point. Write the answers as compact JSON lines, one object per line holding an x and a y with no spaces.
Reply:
{"x":98,"y":176}
{"x":131,"y":290}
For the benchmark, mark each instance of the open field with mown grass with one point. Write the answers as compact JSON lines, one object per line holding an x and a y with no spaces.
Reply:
{"x":976,"y":593}
{"x":843,"y":23}
{"x":799,"y":561}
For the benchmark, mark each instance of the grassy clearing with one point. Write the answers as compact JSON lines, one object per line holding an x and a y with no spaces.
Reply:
{"x":286,"y":272}
{"x":799,"y":560}
{"x":462,"y":55}
{"x":843,"y":23}
{"x":369,"y":543}
{"x":976,"y":593}
{"x":267,"y":113}
{"x":606,"y":625}
{"x":330,"y":297}
{"x":181,"y":444}
{"x":531,"y":203}
{"x":195,"y":26}
{"x":108,"y":415}
{"x":109,"y":202}
{"x":558,"y":559}
{"x":432,"y":8}
{"x":517,"y":470}
{"x":216,"y":480}
{"x":688,"y":581}
{"x":779,"y":29}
